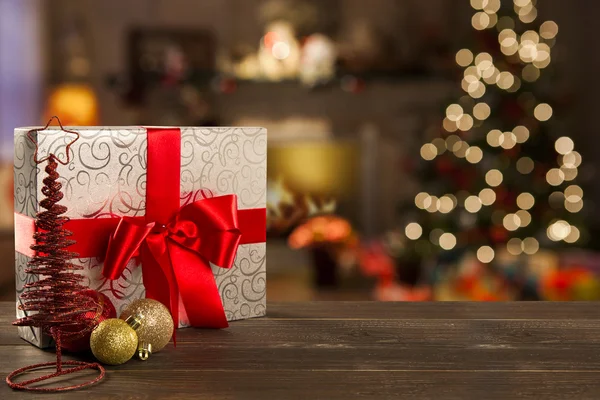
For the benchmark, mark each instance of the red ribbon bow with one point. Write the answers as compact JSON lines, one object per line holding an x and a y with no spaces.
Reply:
{"x":181,"y":252}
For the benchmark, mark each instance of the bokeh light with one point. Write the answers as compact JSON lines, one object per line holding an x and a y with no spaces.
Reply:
{"x":542,"y":112}
{"x":485,"y":254}
{"x":493,"y":178}
{"x":473,"y":204}
{"x":428,"y":151}
{"x":487,"y":196}
{"x":447,"y":241}
{"x":413,"y":231}
{"x":525,"y":201}
{"x":564,"y":145}
{"x":525,"y":165}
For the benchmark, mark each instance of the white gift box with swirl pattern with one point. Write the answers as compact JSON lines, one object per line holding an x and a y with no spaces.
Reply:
{"x":107,"y":177}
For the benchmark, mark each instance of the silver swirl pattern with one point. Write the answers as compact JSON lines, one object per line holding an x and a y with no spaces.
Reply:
{"x":107,"y":178}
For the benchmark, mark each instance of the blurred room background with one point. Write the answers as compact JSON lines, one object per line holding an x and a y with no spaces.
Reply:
{"x":418,"y":150}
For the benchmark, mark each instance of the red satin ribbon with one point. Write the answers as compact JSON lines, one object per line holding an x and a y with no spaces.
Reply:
{"x":176,"y":244}
{"x":180,"y":253}
{"x":92,"y":235}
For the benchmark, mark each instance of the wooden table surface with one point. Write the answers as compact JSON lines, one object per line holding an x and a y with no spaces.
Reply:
{"x":361,"y":350}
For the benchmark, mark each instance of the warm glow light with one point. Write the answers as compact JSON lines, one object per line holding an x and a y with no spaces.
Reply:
{"x":479,"y":4}
{"x":573,"y":193}
{"x":435,"y":204}
{"x":508,"y":41}
{"x":422,"y":200}
{"x":528,"y":17}
{"x":493,"y":178}
{"x":464,"y":57}
{"x":428,"y":151}
{"x":564,"y":145}
{"x":530,"y":36}
{"x":542,"y":112}
{"x":555,"y":177}
{"x":449,"y":126}
{"x":521,"y":134}
{"x":548,"y":30}
{"x":514,"y":246}
{"x":508,"y":140}
{"x":474,"y":154}
{"x":472,"y":74}
{"x":515,"y":86}
{"x":487,"y":196}
{"x":525,"y":201}
{"x":446,"y":204}
{"x":480,"y":20}
{"x":476,"y":89}
{"x":530,"y":246}
{"x":525,"y":165}
{"x":491,"y":76}
{"x":460,"y":149}
{"x":280,"y":50}
{"x":485,"y":254}
{"x":511,"y":222}
{"x":521,"y":3}
{"x":572,"y":160}
{"x":505,"y":80}
{"x":447,"y":241}
{"x":569,"y":173}
{"x":543,"y":54}
{"x":491,"y":6}
{"x":465,"y":122}
{"x":574,"y":207}
{"x":481,"y":111}
{"x":483,"y":61}
{"x":473,"y":204}
{"x":494,"y":138}
{"x":542,"y":64}
{"x":559,"y":230}
{"x":454,"y":112}
{"x":573,"y":236}
{"x":524,"y":218}
{"x":413,"y":231}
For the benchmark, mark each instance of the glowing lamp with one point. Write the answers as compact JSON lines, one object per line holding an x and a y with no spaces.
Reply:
{"x":74,"y":104}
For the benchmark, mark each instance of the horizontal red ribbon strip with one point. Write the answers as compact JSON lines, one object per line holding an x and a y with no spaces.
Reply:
{"x":92,"y":234}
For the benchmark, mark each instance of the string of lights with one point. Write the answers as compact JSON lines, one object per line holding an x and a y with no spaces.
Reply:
{"x":526,"y":55}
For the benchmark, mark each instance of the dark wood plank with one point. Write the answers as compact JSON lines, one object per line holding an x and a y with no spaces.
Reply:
{"x":363,"y":350}
{"x":329,"y":385}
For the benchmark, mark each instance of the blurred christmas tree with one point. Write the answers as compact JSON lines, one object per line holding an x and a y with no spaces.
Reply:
{"x":499,"y":172}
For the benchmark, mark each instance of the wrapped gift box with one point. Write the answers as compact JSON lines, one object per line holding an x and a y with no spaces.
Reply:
{"x":117,"y":172}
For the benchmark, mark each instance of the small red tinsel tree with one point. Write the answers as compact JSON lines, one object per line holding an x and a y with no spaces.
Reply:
{"x":55,"y":302}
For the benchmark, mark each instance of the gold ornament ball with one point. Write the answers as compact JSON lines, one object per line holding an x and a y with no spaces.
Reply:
{"x":156,"y":322}
{"x":113,"y":342}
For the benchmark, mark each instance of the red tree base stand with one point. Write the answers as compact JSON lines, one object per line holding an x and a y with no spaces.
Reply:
{"x":54,"y":302}
{"x":58,"y":364}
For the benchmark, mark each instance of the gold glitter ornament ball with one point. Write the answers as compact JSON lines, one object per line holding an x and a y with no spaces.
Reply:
{"x":113,"y":342}
{"x":156,"y":322}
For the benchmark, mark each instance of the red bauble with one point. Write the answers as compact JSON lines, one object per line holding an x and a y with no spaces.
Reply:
{"x":105,"y":310}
